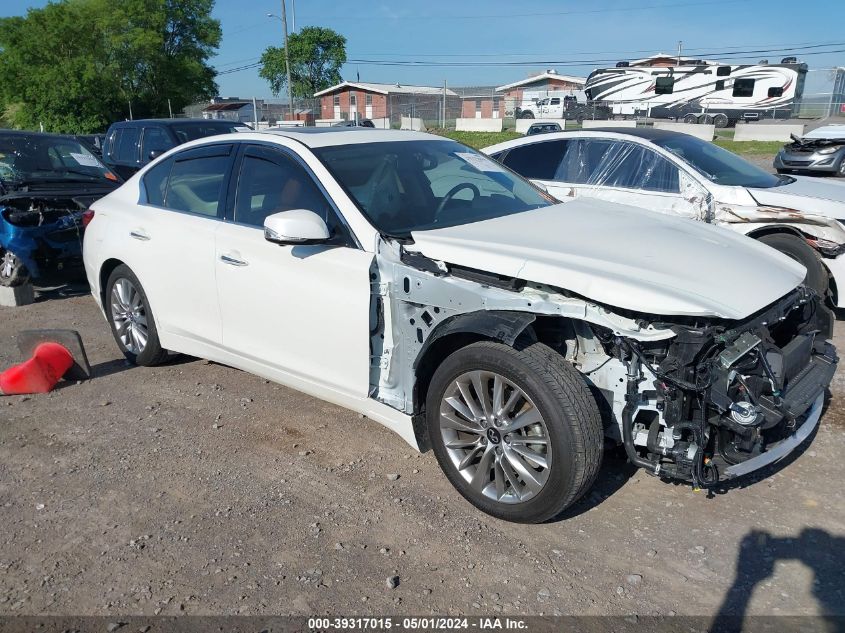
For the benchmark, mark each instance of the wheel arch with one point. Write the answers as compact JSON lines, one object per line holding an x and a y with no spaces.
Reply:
{"x":460,"y":331}
{"x":105,"y":272}
{"x":771,"y":229}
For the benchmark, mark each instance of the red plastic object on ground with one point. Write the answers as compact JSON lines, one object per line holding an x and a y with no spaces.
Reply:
{"x":49,"y":362}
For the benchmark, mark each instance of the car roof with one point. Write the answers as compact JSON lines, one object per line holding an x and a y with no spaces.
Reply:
{"x":326,"y":136}
{"x":39,"y":134}
{"x":176,"y":122}
{"x":647,"y":133}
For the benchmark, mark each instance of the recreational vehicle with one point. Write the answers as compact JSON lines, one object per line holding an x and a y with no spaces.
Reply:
{"x":701,"y":92}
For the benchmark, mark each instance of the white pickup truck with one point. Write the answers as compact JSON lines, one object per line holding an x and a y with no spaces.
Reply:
{"x":565,"y":107}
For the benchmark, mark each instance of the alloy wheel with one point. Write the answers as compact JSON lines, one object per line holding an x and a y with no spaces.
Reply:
{"x":129,"y":316}
{"x":8,"y":264}
{"x":495,"y":437}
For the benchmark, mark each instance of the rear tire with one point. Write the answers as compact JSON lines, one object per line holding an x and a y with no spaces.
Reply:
{"x":131,"y":320}
{"x":527,"y":115}
{"x":841,"y":172}
{"x":488,"y":459}
{"x":12,"y":271}
{"x":721,"y":120}
{"x":797,"y":249}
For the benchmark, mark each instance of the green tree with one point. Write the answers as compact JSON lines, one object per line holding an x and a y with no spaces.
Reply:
{"x":316,"y":55}
{"x":77,"y":65}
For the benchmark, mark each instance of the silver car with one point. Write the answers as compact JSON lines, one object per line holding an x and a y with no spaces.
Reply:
{"x":822,"y":151}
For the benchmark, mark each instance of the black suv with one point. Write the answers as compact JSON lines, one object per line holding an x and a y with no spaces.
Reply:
{"x":130,"y":145}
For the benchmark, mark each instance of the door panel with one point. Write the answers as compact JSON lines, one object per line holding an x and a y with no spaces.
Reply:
{"x":173,"y":235}
{"x":303,"y":310}
{"x":177,"y":272}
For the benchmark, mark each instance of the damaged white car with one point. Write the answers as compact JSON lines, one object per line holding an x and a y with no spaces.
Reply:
{"x":678,"y":174}
{"x":411,"y":279}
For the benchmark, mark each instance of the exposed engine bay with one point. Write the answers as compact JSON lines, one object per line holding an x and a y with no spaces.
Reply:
{"x":34,"y":211}
{"x":41,"y":234}
{"x":690,"y":398}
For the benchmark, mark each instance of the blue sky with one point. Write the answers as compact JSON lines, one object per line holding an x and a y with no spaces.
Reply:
{"x":498,"y":32}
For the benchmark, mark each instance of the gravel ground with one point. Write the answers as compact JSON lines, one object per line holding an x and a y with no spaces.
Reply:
{"x":195,"y":488}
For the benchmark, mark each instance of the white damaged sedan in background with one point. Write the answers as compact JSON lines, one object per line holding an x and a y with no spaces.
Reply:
{"x":678,"y":174}
{"x":416,"y":281}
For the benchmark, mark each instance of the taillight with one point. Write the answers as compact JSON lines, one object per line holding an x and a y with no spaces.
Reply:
{"x":87,"y":216}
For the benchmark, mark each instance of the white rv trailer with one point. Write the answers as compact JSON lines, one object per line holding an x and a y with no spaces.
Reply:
{"x":701,"y":92}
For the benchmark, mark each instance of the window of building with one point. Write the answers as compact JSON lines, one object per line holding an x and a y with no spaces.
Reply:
{"x":369,"y":99}
{"x":336,"y":100}
{"x":743,"y":87}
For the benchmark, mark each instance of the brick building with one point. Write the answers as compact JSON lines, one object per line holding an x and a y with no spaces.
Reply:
{"x":539,"y":86}
{"x":350,"y":100}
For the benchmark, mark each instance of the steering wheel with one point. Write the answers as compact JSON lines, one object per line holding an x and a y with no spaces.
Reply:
{"x":452,"y":193}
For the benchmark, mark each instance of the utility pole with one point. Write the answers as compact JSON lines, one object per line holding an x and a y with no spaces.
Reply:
{"x":255,"y":114}
{"x":444,"y":105}
{"x":287,"y":57}
{"x":293,"y":16}
{"x":680,"y":44}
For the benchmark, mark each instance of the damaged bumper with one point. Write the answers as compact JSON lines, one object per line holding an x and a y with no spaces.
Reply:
{"x":782,"y":448}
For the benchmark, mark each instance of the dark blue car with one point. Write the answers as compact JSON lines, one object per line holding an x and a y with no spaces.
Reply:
{"x":47,"y":182}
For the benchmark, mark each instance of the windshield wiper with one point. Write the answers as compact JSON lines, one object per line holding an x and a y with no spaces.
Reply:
{"x":88,"y":177}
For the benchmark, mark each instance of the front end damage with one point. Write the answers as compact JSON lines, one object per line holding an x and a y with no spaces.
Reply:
{"x":44,"y":232}
{"x":690,"y":398}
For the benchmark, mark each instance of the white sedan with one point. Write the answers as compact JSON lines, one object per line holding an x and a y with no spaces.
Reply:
{"x":414,"y":280}
{"x":678,"y":174}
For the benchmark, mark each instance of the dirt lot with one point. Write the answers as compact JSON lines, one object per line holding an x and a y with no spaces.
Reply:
{"x":195,"y":488}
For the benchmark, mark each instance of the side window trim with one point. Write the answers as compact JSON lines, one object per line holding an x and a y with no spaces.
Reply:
{"x":286,"y":152}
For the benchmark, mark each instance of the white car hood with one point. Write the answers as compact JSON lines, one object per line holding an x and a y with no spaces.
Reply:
{"x":624,"y":257}
{"x":820,"y":196}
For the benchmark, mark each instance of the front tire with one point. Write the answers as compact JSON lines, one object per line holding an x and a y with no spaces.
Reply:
{"x":527,"y":115}
{"x":795,"y":248}
{"x":691,"y":118}
{"x":132,"y":322}
{"x":516,"y":431}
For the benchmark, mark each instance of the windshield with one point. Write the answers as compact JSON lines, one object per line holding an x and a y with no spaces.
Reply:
{"x":34,"y":158}
{"x":405,"y":186}
{"x":719,"y":165}
{"x":192,"y":131}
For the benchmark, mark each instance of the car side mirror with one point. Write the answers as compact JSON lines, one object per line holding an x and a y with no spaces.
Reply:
{"x":297,"y":226}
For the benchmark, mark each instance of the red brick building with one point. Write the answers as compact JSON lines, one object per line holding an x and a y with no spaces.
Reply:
{"x":348,"y":100}
{"x":538,"y":87}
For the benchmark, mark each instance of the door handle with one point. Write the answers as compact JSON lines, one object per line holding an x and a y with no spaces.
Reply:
{"x":232,"y":261}
{"x":139,"y":235}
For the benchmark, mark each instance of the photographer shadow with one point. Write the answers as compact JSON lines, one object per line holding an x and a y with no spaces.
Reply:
{"x":759,"y":552}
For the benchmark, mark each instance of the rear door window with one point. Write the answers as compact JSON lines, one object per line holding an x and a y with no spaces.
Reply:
{"x":156,"y":139}
{"x":537,"y":160}
{"x":127,"y":149}
{"x":197,"y":179}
